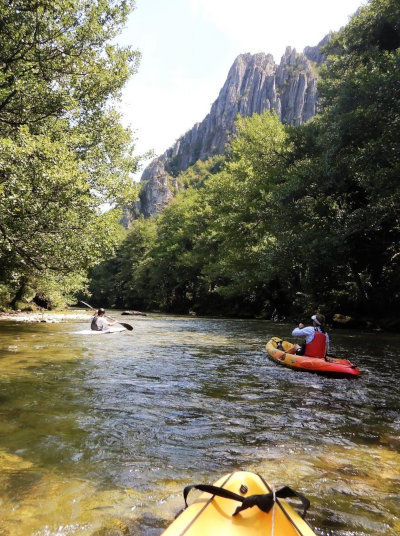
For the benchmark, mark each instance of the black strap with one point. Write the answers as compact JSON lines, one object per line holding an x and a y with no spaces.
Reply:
{"x":285,"y":492}
{"x":264,"y":502}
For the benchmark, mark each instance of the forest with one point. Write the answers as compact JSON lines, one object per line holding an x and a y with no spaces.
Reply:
{"x":293,"y":219}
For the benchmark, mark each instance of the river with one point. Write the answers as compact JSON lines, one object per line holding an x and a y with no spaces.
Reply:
{"x":99,"y":434}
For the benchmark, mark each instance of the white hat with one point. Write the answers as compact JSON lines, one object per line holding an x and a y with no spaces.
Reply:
{"x":314,"y":317}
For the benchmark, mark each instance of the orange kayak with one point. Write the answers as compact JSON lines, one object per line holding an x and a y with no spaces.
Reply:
{"x":279,"y":351}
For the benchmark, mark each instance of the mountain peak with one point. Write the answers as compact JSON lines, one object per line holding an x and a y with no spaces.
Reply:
{"x":255,"y":83}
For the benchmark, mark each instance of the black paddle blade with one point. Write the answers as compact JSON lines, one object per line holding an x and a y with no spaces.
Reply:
{"x":126,"y":326}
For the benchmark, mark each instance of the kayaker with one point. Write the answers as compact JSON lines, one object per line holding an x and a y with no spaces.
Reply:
{"x":99,"y":322}
{"x":317,"y":340}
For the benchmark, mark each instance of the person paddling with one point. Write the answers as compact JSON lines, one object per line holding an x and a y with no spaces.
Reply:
{"x":99,"y":322}
{"x":317,"y":340}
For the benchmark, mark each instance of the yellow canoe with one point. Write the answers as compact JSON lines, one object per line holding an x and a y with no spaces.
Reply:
{"x":211,"y":515}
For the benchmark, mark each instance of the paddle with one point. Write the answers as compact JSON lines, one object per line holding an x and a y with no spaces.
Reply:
{"x":126,"y":326}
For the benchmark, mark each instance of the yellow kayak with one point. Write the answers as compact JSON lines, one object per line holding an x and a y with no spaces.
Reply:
{"x":212,"y":515}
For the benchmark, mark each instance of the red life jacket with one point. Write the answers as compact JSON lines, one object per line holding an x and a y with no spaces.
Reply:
{"x":317,"y":347}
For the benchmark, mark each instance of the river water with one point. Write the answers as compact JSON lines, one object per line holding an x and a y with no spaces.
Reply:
{"x":100,"y":433}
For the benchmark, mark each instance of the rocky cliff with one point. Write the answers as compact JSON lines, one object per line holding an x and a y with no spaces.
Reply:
{"x":255,"y":83}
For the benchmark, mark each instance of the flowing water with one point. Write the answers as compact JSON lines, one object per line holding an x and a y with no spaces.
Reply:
{"x":100,"y":433}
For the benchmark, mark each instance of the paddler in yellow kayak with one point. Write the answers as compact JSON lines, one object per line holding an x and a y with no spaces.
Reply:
{"x":317,"y":339}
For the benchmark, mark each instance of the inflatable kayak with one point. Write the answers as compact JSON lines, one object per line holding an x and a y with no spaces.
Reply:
{"x":279,"y":351}
{"x":111,"y":329}
{"x":240,"y":504}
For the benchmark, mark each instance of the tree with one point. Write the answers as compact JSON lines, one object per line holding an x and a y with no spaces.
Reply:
{"x":124,"y":280}
{"x":64,"y":151}
{"x":359,"y":147}
{"x":243,"y":212}
{"x":58,"y":61}
{"x":179,"y":253}
{"x":342,"y":193}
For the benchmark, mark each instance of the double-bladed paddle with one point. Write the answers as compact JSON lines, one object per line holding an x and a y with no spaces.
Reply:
{"x":126,"y":326}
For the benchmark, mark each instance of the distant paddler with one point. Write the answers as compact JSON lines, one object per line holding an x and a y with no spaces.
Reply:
{"x":99,"y":322}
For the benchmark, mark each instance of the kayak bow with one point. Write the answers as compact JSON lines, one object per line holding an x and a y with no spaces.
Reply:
{"x":241,"y":504}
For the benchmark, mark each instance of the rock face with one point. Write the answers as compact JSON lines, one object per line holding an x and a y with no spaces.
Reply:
{"x":255,"y":83}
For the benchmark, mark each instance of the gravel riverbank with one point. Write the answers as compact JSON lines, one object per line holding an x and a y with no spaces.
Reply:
{"x":46,"y":316}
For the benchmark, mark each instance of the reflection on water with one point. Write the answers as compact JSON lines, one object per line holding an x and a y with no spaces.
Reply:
{"x":99,"y":434}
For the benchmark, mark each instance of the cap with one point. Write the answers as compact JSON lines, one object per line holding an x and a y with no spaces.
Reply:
{"x":314,"y":317}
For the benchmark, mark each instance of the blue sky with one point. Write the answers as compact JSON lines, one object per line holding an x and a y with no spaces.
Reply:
{"x":188,"y":47}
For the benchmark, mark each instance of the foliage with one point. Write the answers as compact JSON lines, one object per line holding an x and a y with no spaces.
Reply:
{"x":63,"y":150}
{"x":122,"y":281}
{"x":358,"y":151}
{"x":242,"y":195}
{"x":296,"y":218}
{"x":195,"y":176}
{"x":57,"y":59}
{"x":183,"y":243}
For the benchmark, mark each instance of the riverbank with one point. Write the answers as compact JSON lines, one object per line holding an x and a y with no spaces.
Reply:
{"x":46,"y":316}
{"x":338,"y":322}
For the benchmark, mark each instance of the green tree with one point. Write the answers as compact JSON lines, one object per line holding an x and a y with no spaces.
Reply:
{"x":352,"y":180}
{"x":178,"y":255}
{"x":58,"y":61}
{"x":241,"y":197}
{"x":195,"y":176}
{"x":64,"y":151}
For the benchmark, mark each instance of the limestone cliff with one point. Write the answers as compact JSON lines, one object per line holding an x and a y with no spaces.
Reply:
{"x":255,"y":83}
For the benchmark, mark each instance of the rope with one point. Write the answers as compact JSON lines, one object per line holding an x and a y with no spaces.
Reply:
{"x":273,"y":512}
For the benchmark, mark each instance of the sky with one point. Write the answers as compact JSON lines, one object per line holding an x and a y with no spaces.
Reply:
{"x":188,"y":46}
